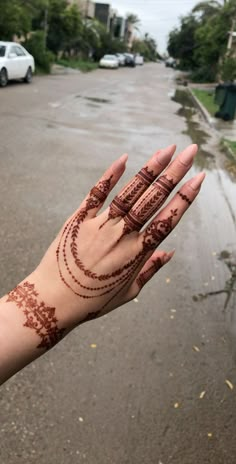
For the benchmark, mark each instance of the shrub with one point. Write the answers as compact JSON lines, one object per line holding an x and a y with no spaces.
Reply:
{"x":204,"y":74}
{"x":228,"y":69}
{"x":36,"y":46}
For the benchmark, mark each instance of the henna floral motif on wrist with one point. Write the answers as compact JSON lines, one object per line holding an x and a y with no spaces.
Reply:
{"x":39,"y":317}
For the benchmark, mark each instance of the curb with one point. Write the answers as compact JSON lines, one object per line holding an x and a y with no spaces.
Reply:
{"x":227,"y":149}
{"x":208,"y":118}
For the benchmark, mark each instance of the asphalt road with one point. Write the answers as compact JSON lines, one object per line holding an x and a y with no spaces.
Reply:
{"x":137,"y":398}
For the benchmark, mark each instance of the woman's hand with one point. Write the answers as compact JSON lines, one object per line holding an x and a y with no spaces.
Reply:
{"x":98,"y":261}
{"x":101,"y":261}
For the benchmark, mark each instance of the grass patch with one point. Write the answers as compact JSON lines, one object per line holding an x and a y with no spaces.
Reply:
{"x":229,"y":148}
{"x":82,"y":65}
{"x":207,"y":99}
{"x":231,"y":145}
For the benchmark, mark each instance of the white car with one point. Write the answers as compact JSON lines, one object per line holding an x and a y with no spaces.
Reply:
{"x":15,"y":63}
{"x":121,"y":59}
{"x":109,"y":61}
{"x":139,"y":60}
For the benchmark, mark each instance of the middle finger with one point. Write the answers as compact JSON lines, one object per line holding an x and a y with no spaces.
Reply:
{"x":157,"y":193}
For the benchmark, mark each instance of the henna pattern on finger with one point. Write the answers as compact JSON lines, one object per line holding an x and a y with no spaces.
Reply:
{"x":39,"y":317}
{"x":148,"y":204}
{"x":145,"y":276}
{"x":157,"y":231}
{"x":184,"y":197}
{"x":122,"y":203}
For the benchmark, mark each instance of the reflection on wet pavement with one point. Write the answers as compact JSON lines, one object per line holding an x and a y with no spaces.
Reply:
{"x":204,"y":159}
{"x":94,"y":99}
{"x":229,"y":259}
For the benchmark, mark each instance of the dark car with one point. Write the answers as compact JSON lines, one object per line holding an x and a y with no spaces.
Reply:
{"x":171,"y":63}
{"x":130,"y":60}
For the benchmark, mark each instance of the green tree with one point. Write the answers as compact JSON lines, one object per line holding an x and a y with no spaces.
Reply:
{"x":200,"y":42}
{"x":207,"y":9}
{"x":147,"y":47}
{"x":14,"y":19}
{"x":182,"y":43}
{"x":211,"y":39}
{"x":133,"y":20}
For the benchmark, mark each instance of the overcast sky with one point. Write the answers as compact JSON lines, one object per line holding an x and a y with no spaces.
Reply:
{"x":158,"y":17}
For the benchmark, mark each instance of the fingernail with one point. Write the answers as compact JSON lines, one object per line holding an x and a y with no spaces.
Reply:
{"x":196,"y":181}
{"x":186,"y":157}
{"x":168,"y":256}
{"x":165,"y":155}
{"x":123,"y":158}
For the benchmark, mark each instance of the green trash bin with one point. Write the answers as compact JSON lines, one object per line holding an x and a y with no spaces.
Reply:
{"x":226,"y":98}
{"x":220,"y":94}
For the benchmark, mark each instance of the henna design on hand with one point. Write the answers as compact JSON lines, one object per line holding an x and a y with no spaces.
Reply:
{"x":39,"y":317}
{"x":122,"y":203}
{"x":148,"y":204}
{"x":145,"y":276}
{"x":184,"y":197}
{"x":68,"y":244}
{"x":158,"y":231}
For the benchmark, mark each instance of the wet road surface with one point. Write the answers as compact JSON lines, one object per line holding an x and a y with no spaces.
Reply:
{"x":154,"y":389}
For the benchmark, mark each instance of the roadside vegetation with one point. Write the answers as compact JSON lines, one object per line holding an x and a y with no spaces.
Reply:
{"x":207,"y":99}
{"x":199,"y":44}
{"x":82,"y":65}
{"x":231,"y":145}
{"x":55,"y":31}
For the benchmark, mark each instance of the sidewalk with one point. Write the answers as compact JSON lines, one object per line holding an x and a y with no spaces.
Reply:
{"x":227,"y":129}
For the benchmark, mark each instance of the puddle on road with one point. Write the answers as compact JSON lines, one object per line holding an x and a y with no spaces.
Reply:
{"x":94,"y":99}
{"x":229,"y":259}
{"x":204,"y":159}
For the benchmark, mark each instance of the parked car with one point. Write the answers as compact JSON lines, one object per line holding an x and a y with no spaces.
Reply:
{"x":170,"y":63}
{"x":15,"y":63}
{"x":121,"y":58}
{"x":109,"y":61}
{"x":130,"y":60}
{"x":139,"y":60}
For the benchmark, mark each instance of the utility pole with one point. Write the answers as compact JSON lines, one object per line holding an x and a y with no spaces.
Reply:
{"x":45,"y":26}
{"x":231,"y":32}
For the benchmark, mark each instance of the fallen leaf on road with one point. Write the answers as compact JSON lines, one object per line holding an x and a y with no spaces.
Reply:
{"x":202,"y":394}
{"x":93,"y":345}
{"x":230,"y":385}
{"x":195,"y":348}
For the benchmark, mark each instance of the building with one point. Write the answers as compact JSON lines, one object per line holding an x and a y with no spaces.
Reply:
{"x":87,"y":7}
{"x":106,"y":15}
{"x":119,"y":28}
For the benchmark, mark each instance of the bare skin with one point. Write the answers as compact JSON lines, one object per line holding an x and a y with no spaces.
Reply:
{"x":97,"y":262}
